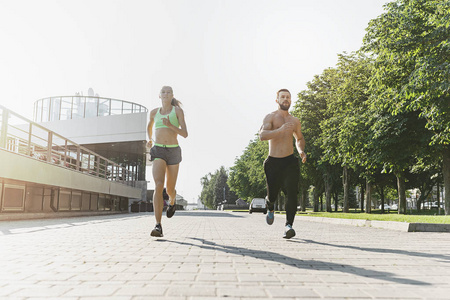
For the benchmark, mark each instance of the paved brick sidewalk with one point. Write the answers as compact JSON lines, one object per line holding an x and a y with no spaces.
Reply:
{"x":209,"y":254}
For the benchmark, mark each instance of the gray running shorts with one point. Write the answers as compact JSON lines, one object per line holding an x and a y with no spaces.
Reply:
{"x":171,"y":155}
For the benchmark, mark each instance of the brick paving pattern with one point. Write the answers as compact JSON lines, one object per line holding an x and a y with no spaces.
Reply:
{"x":210,"y":254}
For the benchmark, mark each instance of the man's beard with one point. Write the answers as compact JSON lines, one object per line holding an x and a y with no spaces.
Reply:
{"x":285,"y":106}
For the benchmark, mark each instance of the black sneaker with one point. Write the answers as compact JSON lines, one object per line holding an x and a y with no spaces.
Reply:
{"x":157,"y":231}
{"x":270,"y":217}
{"x":289,"y":232}
{"x":270,"y":212}
{"x":170,"y":211}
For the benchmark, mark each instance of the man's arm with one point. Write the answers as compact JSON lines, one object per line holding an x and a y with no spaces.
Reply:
{"x":300,"y":142}
{"x":267,"y":132}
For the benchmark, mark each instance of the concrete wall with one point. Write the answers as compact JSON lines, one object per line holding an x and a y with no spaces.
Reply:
{"x":19,"y":167}
{"x":107,"y":129}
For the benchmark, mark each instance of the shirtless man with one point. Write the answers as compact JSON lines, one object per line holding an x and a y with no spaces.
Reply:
{"x":282,"y":167}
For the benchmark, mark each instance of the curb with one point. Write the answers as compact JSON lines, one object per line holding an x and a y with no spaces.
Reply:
{"x":426,"y":227}
{"x":391,"y":225}
{"x":54,"y":215}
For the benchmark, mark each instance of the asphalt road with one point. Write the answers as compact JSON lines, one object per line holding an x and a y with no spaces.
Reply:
{"x":212,"y":254}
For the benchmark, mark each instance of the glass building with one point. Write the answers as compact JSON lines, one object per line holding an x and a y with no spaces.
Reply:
{"x":43,"y":171}
{"x":78,"y":107}
{"x":103,"y":120}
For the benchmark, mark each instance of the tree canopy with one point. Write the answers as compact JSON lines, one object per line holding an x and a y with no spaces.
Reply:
{"x":381,"y":115}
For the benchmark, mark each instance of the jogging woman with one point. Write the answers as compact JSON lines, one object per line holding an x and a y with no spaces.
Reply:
{"x":168,"y":121}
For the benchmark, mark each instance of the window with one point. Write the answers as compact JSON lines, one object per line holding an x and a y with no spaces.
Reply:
{"x":101,"y":202}
{"x":91,"y":107}
{"x":34,"y":198}
{"x":127,"y":108}
{"x":56,"y":107}
{"x":64,"y":200}
{"x":104,"y":107}
{"x":66,"y":108}
{"x":13,"y":197}
{"x":94,"y":202}
{"x":78,"y":107}
{"x":116,"y":107}
{"x":76,"y":201}
{"x":85,"y":201}
{"x":45,"y":109}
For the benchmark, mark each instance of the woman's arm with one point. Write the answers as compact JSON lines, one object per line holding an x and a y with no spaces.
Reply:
{"x":150,"y":128}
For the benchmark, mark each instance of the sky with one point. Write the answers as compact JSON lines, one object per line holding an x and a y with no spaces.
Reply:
{"x":225,"y":60}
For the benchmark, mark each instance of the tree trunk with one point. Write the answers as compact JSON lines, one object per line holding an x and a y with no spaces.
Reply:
{"x":425,"y":189}
{"x":421,"y":201}
{"x":438,"y":198}
{"x":446,"y":173}
{"x":345,"y":208}
{"x":401,"y":193}
{"x":303,"y":200}
{"x":336,"y":201}
{"x":321,"y":202}
{"x":316,"y":199}
{"x":361,"y":193}
{"x":281,"y":201}
{"x":328,"y":187}
{"x":381,"y":190}
{"x":368,"y":196}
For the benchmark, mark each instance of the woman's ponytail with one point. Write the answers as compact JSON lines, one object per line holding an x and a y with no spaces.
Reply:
{"x":175,"y":102}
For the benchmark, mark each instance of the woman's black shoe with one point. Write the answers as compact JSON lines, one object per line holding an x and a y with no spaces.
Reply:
{"x":170,"y":211}
{"x":157,"y":231}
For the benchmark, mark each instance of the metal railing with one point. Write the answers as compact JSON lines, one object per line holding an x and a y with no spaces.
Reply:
{"x":79,"y":107}
{"x":24,"y":137}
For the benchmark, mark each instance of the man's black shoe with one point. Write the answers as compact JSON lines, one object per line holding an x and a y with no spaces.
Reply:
{"x":289,"y":232}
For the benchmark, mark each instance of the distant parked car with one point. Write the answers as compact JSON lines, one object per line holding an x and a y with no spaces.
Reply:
{"x":394,"y":207}
{"x":386,"y":207}
{"x":432,"y":205}
{"x":258,"y":205}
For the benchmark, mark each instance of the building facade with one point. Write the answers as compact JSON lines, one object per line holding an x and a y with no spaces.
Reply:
{"x":79,"y":154}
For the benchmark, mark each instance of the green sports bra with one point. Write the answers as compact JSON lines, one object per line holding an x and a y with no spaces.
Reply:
{"x":172,"y":118}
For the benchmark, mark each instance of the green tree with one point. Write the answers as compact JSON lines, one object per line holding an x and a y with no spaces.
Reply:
{"x":222,"y":193}
{"x":215,"y":189}
{"x":411,"y":48}
{"x":383,"y":182}
{"x":247,"y":178}
{"x":344,"y":132}
{"x":311,"y":109}
{"x":394,"y":142}
{"x":207,"y":193}
{"x":424,"y":176}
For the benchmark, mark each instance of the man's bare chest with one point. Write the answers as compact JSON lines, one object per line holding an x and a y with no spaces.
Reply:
{"x":279,"y":121}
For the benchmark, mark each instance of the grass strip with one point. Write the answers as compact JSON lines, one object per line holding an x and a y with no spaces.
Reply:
{"x":387,"y":216}
{"x":424,"y":216}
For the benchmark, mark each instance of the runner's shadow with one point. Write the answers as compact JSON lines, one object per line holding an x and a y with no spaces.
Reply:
{"x":298,"y":263}
{"x":379,"y":250}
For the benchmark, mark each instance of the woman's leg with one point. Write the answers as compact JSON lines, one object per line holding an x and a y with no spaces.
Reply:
{"x":172,"y":174}
{"x":159,"y":172}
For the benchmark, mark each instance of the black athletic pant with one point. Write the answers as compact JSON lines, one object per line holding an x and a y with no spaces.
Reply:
{"x":283,"y":174}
